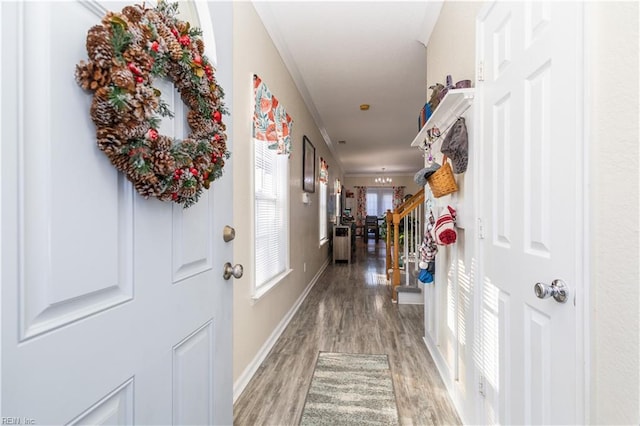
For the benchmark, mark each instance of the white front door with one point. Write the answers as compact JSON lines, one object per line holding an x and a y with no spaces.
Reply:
{"x":531,"y":183}
{"x":114,"y":309}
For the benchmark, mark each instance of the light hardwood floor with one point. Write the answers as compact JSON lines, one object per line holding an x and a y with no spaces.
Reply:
{"x":349,"y":310}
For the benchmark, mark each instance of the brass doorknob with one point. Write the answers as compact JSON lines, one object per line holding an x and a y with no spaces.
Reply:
{"x":232,"y":271}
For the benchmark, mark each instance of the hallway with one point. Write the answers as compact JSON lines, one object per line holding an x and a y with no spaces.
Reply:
{"x":348,"y":310}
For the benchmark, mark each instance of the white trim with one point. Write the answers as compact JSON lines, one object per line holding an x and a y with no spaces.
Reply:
{"x":269,"y":285}
{"x":477,"y":409}
{"x":204,"y":20}
{"x":584,"y":315}
{"x":444,"y":371}
{"x":247,"y":374}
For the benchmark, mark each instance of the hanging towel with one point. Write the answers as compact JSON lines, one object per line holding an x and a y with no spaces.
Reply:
{"x":428,"y":248}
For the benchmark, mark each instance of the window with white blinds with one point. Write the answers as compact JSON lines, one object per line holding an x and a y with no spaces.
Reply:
{"x":379,"y":200}
{"x":271,"y":214}
{"x":323,"y":211}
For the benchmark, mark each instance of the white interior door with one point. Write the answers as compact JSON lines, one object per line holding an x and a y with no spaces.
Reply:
{"x":114,"y":310}
{"x":531,"y":209}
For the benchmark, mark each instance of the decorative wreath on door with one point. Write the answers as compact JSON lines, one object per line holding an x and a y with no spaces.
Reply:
{"x":126,"y":52}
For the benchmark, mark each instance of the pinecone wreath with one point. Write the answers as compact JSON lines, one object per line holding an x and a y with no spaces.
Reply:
{"x":126,"y":51}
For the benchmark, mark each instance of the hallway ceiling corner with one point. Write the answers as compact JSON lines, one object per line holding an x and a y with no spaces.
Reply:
{"x":342,"y":54}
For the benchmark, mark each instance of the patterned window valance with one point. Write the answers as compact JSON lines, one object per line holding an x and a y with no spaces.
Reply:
{"x":323,"y":176}
{"x":271,"y":123}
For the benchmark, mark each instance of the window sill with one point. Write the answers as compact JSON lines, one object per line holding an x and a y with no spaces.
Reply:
{"x":267,"y":287}
{"x":323,"y":242}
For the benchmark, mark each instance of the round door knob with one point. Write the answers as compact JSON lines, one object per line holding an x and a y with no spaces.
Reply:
{"x":558,"y":290}
{"x":232,"y":271}
{"x":543,"y":291}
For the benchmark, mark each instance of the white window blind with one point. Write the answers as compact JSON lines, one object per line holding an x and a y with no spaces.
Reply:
{"x":372,"y":202}
{"x":379,"y":200}
{"x":323,"y":211}
{"x":271,"y":214}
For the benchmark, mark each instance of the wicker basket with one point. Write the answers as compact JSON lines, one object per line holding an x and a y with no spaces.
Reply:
{"x":442,"y":181}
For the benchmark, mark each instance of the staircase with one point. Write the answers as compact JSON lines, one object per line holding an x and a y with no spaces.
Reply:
{"x":409,"y":295}
{"x":405,"y":230}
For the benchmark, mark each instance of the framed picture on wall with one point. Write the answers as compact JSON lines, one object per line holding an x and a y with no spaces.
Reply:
{"x":308,"y":165}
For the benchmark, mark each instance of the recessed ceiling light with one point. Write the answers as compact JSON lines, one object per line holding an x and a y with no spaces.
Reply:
{"x":364,"y":107}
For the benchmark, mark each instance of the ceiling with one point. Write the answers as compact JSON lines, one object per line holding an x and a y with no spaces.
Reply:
{"x":343,"y":54}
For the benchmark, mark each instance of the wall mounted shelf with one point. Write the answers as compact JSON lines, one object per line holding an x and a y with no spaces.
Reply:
{"x":450,"y":108}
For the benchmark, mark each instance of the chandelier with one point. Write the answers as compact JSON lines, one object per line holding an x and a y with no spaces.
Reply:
{"x":383,"y":179}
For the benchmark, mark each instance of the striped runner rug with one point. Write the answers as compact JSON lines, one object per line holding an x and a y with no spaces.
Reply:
{"x":350,"y":389}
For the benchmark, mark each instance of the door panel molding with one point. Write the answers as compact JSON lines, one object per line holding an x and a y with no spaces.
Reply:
{"x":58,"y":226}
{"x":192,"y":239}
{"x":537,"y":352}
{"x":115,"y":408}
{"x":537,"y":162}
{"x":193,"y":377}
{"x":501,"y":176}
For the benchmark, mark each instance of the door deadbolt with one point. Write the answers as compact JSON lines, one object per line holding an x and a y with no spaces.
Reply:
{"x":228,"y":233}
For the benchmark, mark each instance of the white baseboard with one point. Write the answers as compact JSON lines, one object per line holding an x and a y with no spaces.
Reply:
{"x":445,"y":374}
{"x":253,"y":366}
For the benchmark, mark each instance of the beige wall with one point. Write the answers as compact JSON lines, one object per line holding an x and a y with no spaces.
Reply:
{"x":452,"y":46}
{"x":612,"y":58}
{"x":255,"y":321}
{"x":453,"y":52}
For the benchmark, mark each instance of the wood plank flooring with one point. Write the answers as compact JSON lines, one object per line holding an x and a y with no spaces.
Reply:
{"x":349,"y":310}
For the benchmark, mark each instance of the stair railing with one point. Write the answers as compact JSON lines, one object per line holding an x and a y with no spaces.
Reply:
{"x":411,"y":212}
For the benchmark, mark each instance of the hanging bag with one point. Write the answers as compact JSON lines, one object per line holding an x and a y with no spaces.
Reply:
{"x":442,"y":182}
{"x":456,"y":146}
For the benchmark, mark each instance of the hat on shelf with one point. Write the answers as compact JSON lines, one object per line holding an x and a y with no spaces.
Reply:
{"x":456,"y":146}
{"x":421,"y":177}
{"x":445,"y":227}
